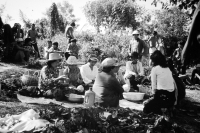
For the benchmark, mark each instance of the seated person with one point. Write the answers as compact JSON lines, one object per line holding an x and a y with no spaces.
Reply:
{"x":73,"y":72}
{"x":55,"y":49}
{"x":46,"y":49}
{"x":106,"y":87}
{"x":89,"y":71}
{"x":196,"y":75}
{"x":20,"y":51}
{"x":72,"y":49}
{"x":30,"y":50}
{"x":134,"y":74}
{"x":162,"y":83}
{"x":49,"y":76}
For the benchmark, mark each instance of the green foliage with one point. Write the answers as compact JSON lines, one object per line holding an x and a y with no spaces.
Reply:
{"x":54,"y":21}
{"x":112,"y":14}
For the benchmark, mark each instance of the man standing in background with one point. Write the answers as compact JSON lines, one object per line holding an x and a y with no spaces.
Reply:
{"x":32,"y":33}
{"x":153,"y":42}
{"x":69,"y":32}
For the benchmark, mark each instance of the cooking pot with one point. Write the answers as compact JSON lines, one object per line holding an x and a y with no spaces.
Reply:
{"x":133,"y":96}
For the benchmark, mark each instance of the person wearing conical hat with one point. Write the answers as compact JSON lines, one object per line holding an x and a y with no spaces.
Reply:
{"x":49,"y":75}
{"x":72,"y":71}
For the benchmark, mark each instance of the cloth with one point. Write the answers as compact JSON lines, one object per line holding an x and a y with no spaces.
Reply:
{"x":137,"y":46}
{"x":87,"y":74}
{"x":161,"y":99}
{"x":107,"y":90}
{"x":73,"y":49}
{"x":46,"y":78}
{"x":153,"y":41}
{"x":74,"y":75}
{"x":134,"y":68}
{"x":191,"y":48}
{"x":161,"y":79}
{"x":46,"y":53}
{"x":32,"y":34}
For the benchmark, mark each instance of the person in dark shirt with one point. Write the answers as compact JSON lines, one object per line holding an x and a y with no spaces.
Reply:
{"x":196,"y":75}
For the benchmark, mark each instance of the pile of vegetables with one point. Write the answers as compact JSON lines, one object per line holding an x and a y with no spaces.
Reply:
{"x":105,"y":120}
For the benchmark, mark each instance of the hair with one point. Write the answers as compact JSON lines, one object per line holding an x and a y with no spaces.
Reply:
{"x":27,"y":40}
{"x":55,"y":43}
{"x":106,"y":69}
{"x":158,"y":59}
{"x":73,"y":40}
{"x":155,"y":33}
{"x":33,"y":24}
{"x":1,"y":23}
{"x":135,"y":55}
{"x":73,"y":24}
{"x":50,"y":62}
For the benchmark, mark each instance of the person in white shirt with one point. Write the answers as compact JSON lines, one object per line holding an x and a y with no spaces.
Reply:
{"x":134,"y":72}
{"x":162,"y":83}
{"x":46,"y":49}
{"x":89,"y":71}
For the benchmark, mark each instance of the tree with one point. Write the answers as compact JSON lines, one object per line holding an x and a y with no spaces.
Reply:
{"x":24,"y":19}
{"x":111,"y":14}
{"x":2,"y":8}
{"x":188,"y":6}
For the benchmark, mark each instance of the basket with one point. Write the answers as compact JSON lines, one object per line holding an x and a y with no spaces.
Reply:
{"x":29,"y":79}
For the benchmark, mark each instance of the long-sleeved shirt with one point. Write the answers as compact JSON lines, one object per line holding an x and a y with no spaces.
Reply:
{"x":107,"y":89}
{"x":87,"y":74}
{"x":161,"y":79}
{"x":134,"y":68}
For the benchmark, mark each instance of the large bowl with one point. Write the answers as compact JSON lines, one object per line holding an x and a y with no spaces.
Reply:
{"x":133,"y":96}
{"x":75,"y":98}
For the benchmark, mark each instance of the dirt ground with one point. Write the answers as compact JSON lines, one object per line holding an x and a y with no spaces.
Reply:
{"x":187,"y":115}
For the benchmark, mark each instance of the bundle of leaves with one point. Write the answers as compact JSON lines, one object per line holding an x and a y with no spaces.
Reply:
{"x":10,"y":83}
{"x":95,"y":120}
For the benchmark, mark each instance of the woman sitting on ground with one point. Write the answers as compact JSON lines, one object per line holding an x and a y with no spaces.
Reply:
{"x":89,"y":71}
{"x":73,"y":73}
{"x":106,"y":86}
{"x":162,"y":83}
{"x":49,"y":78}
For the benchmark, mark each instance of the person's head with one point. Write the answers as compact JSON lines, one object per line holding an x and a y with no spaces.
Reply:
{"x":198,"y":67}
{"x":27,"y":41}
{"x":73,"y":24}
{"x":33,"y":26}
{"x":18,"y":26}
{"x":20,"y":41}
{"x":49,"y":43}
{"x":135,"y":34}
{"x":155,"y":33}
{"x":73,"y":41}
{"x":92,"y":60}
{"x":157,"y":58}
{"x":73,"y":62}
{"x":198,"y":38}
{"x":134,"y":57}
{"x":55,"y":45}
{"x":54,"y":60}
{"x":109,"y":65}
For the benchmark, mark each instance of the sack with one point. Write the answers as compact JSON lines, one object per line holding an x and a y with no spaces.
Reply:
{"x":30,"y":79}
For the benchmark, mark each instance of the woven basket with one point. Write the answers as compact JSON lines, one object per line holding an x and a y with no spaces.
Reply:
{"x":30,"y":79}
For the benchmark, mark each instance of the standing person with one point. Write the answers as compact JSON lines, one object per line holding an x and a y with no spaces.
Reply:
{"x":72,"y":49}
{"x":33,"y":34}
{"x":153,"y":42}
{"x":106,"y":87}
{"x":46,"y":49}
{"x":69,"y":32}
{"x":161,"y":47}
{"x":137,"y":45}
{"x":177,"y":57}
{"x":17,"y":31}
{"x":162,"y":84}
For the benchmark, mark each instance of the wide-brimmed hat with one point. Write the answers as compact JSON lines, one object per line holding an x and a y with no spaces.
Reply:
{"x":54,"y":56}
{"x":19,"y":40}
{"x":109,"y":62}
{"x":135,"y":32}
{"x":92,"y":57}
{"x":72,"y":60}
